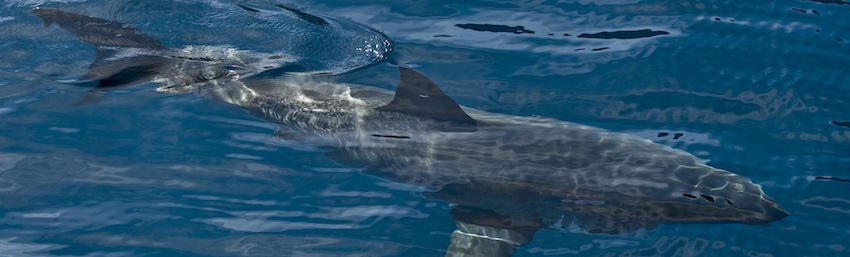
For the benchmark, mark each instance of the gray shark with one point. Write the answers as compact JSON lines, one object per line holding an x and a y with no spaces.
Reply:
{"x":505,"y":177}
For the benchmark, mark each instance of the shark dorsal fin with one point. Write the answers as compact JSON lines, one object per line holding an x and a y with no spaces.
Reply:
{"x":96,"y":31}
{"x":418,"y":96}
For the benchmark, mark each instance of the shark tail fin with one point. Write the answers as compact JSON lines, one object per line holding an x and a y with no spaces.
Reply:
{"x":109,"y":37}
{"x":418,"y":96}
{"x":96,"y":31}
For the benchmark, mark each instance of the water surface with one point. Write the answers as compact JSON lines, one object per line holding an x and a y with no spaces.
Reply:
{"x":757,"y":88}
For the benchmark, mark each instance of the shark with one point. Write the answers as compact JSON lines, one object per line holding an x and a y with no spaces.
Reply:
{"x":505,"y":177}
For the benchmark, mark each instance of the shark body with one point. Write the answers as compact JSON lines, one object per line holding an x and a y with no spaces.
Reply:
{"x":505,"y":176}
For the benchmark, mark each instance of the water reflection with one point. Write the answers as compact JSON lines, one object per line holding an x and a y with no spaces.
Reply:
{"x":776,"y":71}
{"x":168,"y":204}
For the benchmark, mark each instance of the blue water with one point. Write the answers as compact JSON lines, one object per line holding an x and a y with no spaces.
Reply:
{"x":759,"y":88}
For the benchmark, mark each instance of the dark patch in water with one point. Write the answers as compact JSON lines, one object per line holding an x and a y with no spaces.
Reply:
{"x":495,"y":28}
{"x":246,"y":8}
{"x":677,"y":135}
{"x":391,"y":136}
{"x":305,"y":16}
{"x":799,"y":10}
{"x":443,"y":36}
{"x":624,"y":34}
{"x":815,"y":12}
{"x":833,"y":179}
{"x":841,"y":123}
{"x":663,"y":134}
{"x":838,"y":2}
{"x":599,"y":49}
{"x":839,"y":39}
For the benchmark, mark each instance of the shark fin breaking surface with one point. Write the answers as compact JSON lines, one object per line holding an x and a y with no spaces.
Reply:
{"x":420,"y":97}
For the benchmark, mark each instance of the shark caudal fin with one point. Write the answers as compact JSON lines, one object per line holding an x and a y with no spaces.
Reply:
{"x":96,"y":31}
{"x":418,"y":96}
{"x":108,"y":37}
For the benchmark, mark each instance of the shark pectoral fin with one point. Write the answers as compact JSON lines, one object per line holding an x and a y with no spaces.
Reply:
{"x":486,"y":233}
{"x":420,"y":97}
{"x":96,"y":31}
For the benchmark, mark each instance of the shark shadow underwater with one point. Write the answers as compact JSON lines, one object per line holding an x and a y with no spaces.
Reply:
{"x":505,"y":176}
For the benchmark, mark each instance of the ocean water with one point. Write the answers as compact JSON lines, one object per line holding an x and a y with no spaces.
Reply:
{"x":759,"y":88}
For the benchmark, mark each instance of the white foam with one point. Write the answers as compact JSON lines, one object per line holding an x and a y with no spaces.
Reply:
{"x":243,"y":156}
{"x":64,"y":130}
{"x":44,"y":215}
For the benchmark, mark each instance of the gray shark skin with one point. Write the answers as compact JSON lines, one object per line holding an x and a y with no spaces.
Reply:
{"x":505,"y":176}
